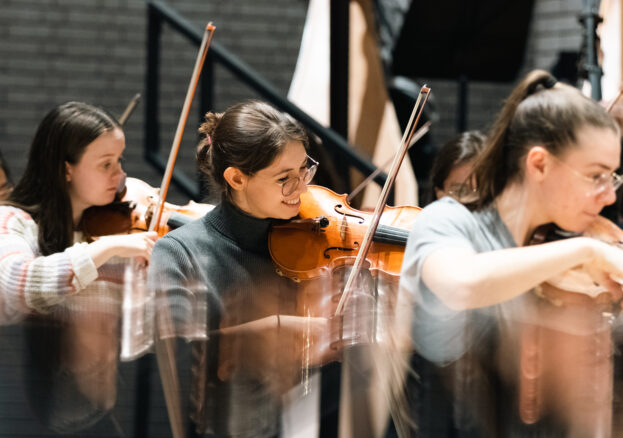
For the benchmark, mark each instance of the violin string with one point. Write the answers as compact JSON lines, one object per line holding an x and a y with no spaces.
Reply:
{"x":387,"y":228}
{"x":382,"y":229}
{"x":388,"y":233}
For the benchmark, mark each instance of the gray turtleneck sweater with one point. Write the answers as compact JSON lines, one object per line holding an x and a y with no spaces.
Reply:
{"x":216,"y":272}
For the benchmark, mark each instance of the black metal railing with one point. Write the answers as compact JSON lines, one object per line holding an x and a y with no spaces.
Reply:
{"x":160,"y":13}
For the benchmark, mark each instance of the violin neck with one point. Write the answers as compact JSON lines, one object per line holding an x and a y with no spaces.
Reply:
{"x":391,"y":235}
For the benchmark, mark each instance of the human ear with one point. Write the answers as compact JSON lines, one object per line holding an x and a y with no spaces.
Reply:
{"x":538,"y":162}
{"x":439,"y":193}
{"x":68,"y":171}
{"x":235,"y":178}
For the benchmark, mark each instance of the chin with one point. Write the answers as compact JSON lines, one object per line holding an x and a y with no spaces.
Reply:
{"x":287,"y":214}
{"x":578,"y":226}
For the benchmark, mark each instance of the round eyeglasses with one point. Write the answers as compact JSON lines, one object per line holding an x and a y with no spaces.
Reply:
{"x":460,"y":191}
{"x":599,"y":183}
{"x":290,"y":185}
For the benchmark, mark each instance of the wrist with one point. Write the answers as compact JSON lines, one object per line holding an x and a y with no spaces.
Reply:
{"x":588,"y":248}
{"x":100,"y":250}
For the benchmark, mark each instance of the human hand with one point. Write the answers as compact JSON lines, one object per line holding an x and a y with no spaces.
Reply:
{"x":606,"y":267}
{"x":137,"y":245}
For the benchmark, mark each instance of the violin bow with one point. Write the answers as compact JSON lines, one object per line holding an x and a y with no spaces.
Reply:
{"x":129,"y":109}
{"x":416,"y":137}
{"x":166,"y":179}
{"x":165,"y":348}
{"x":615,"y":100}
{"x":376,"y":217}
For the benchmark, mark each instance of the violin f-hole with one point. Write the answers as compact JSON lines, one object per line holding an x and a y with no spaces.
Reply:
{"x":338,"y":248}
{"x":338,"y":206}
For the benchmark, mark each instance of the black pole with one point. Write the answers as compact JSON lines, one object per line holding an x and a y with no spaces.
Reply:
{"x":338,"y":88}
{"x":152,"y":81}
{"x":590,"y":19}
{"x":461,"y":116}
{"x":338,"y":119}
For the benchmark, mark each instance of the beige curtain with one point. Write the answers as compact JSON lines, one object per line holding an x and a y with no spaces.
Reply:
{"x":611,"y":47}
{"x":372,"y":122}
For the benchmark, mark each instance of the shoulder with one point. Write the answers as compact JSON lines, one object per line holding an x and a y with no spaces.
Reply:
{"x":14,"y":219}
{"x":184,"y":239}
{"x":444,"y":223}
{"x":445,"y":214}
{"x":8,"y":211}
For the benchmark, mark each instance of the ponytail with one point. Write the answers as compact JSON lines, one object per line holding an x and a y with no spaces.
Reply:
{"x":539,"y":111}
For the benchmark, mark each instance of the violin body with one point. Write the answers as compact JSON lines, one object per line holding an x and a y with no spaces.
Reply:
{"x":577,"y":281}
{"x":569,"y":320}
{"x":134,"y":212}
{"x":327,"y":234}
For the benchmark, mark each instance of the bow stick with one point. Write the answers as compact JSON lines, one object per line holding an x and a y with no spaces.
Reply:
{"x":129,"y":109}
{"x":615,"y":100}
{"x":165,"y":348}
{"x":376,"y":217}
{"x":418,"y":135}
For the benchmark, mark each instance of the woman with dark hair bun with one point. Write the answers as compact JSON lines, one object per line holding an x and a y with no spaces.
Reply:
{"x":218,"y":271}
{"x":549,"y":158}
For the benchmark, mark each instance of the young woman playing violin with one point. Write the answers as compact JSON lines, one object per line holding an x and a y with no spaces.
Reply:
{"x":549,"y":158}
{"x":74,"y":163}
{"x":453,"y":165}
{"x":219,"y":268}
{"x":64,"y":285}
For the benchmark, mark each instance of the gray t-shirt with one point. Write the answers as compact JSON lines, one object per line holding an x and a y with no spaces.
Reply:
{"x":439,"y":333}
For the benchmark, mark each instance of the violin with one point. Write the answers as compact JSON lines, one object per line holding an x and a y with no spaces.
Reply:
{"x":569,"y":321}
{"x":134,"y":211}
{"x":328,"y":233}
{"x":577,"y":281}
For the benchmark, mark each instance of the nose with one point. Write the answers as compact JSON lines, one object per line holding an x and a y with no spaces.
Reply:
{"x":121,"y":175}
{"x":608,"y":196}
{"x":301,"y":186}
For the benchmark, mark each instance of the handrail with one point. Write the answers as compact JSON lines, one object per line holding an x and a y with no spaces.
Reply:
{"x":159,"y":12}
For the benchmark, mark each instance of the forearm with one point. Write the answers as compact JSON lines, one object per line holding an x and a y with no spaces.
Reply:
{"x":484,"y":279}
{"x":100,"y":251}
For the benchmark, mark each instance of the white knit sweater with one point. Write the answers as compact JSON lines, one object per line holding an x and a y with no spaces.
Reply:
{"x":68,"y":280}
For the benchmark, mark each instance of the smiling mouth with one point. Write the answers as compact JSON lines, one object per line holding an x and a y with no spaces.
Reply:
{"x":292,"y":202}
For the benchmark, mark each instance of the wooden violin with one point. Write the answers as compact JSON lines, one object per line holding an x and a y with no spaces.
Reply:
{"x":569,"y":321}
{"x":328,"y":233}
{"x":577,"y":281}
{"x":134,"y":211}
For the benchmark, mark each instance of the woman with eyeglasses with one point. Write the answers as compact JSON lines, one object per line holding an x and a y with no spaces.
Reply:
{"x":452,"y":168}
{"x":218,"y":271}
{"x":549,"y":158}
{"x":451,"y":175}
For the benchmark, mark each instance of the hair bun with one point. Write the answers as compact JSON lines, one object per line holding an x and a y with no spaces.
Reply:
{"x":544,"y":80}
{"x":211,"y":121}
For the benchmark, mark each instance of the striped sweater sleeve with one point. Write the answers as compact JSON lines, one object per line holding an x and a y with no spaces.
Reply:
{"x":27,"y":279}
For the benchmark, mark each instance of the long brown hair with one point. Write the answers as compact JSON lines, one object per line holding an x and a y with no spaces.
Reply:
{"x":62,"y":136}
{"x":248,"y":136}
{"x":539,"y":111}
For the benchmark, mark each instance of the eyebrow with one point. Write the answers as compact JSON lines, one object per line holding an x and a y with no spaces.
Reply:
{"x":109,"y":154}
{"x":291,"y":169}
{"x":602,"y":166}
